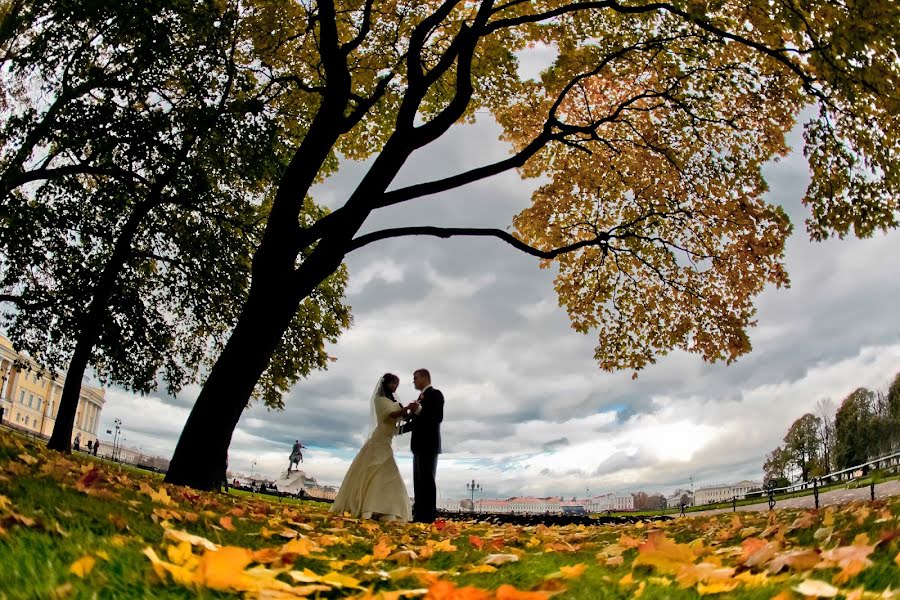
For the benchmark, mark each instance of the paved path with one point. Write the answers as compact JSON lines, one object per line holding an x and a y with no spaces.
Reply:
{"x":838,"y":496}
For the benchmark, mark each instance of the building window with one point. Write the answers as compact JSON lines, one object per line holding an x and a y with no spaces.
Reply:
{"x":30,"y":399}
{"x":26,"y":419}
{"x":22,"y":397}
{"x":40,"y":401}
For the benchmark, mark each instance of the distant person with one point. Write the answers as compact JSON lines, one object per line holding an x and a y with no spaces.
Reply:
{"x":96,"y":446}
{"x":77,"y":443}
{"x":296,"y":455}
{"x":2,"y":410}
{"x":90,"y":446}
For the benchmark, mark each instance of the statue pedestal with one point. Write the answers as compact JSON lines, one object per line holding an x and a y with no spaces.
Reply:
{"x":291,"y":482}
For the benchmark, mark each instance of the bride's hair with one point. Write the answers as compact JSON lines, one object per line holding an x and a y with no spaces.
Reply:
{"x":385,"y":380}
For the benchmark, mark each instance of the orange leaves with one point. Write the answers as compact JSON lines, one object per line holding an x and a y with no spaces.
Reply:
{"x":663,"y":554}
{"x":226,"y":523}
{"x":476,"y":542}
{"x":383,"y":548}
{"x":445,"y":590}
{"x":852,"y":560}
{"x":796,"y":560}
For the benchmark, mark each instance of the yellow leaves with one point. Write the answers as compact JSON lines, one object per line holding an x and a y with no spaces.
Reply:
{"x":444,"y":545}
{"x":404,"y":557}
{"x":332,"y":578}
{"x":161,"y":496}
{"x":193,"y":540}
{"x":82,"y":566}
{"x":828,"y":519}
{"x":663,"y":554}
{"x":301,"y":546}
{"x":481,"y":569}
{"x":222,"y":569}
{"x":27,"y":459}
{"x":626,"y":541}
{"x":573,"y":572}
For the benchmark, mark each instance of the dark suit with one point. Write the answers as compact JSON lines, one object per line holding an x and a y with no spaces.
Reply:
{"x":425,"y":444}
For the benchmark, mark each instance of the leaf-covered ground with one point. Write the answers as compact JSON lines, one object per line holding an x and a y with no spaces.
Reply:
{"x":75,"y":527}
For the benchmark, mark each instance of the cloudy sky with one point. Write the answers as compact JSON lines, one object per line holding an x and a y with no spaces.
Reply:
{"x":527,"y":410}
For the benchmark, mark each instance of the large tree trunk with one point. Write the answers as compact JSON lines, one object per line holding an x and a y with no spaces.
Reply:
{"x":89,"y":333}
{"x":202,"y":449}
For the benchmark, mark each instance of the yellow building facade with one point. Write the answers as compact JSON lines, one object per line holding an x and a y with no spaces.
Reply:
{"x":30,"y":397}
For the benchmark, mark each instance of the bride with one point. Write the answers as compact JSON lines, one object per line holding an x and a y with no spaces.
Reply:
{"x":372,"y":487}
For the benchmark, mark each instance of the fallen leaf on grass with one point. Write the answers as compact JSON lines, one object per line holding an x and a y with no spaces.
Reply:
{"x":508,"y":592}
{"x":86,"y":481}
{"x":816,"y":589}
{"x":446,"y":590}
{"x":27,"y":458}
{"x":797,"y":560}
{"x":404,"y":557}
{"x":663,"y":554}
{"x":226,"y":523}
{"x":481,"y":569}
{"x":476,"y":542}
{"x":162,"y":496}
{"x":500,"y":559}
{"x":705,"y":573}
{"x":383,"y":548}
{"x":82,"y":566}
{"x":852,"y":560}
{"x":573,"y":572}
{"x":193,"y":540}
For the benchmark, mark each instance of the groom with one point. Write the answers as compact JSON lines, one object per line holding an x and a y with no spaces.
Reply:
{"x":426,"y":414}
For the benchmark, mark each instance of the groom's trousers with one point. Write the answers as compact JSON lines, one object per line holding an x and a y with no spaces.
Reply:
{"x":424,"y":469}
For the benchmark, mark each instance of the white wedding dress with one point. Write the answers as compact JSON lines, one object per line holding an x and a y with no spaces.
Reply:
{"x":372,"y":487}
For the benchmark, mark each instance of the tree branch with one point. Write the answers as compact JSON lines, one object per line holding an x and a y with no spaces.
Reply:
{"x":448,"y":232}
{"x":353,"y":44}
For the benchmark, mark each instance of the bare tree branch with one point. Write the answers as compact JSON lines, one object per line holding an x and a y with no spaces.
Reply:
{"x":448,"y":232}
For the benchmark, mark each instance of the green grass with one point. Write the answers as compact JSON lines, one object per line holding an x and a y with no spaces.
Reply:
{"x":46,"y":524}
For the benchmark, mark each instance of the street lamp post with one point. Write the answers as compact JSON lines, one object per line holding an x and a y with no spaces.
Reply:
{"x":472,"y":488}
{"x":252,"y":466}
{"x":118,"y":424}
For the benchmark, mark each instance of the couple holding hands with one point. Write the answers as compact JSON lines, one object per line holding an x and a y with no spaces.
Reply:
{"x":373,"y":487}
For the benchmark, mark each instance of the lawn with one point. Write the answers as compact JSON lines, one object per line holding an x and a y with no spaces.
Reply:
{"x":75,"y":527}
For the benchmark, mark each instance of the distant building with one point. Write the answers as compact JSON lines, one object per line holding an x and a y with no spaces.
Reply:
{"x":675,"y":499}
{"x":724,"y":493}
{"x":29,"y":395}
{"x":452,"y":505}
{"x":519,"y":504}
{"x":553,"y":504}
{"x":604,"y":502}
